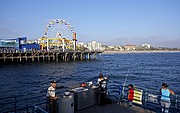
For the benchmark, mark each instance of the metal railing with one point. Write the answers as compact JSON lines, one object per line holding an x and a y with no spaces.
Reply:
{"x":150,"y":98}
{"x":36,"y":109}
{"x":22,"y":103}
{"x":13,"y":50}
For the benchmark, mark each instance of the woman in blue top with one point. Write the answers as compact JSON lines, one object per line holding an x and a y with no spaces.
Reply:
{"x":165,"y":99}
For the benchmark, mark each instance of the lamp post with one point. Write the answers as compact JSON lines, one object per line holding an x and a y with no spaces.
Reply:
{"x":74,"y":40}
{"x":63,"y":44}
{"x":47,"y":44}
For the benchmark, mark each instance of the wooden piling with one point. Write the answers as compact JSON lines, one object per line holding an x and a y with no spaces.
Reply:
{"x":22,"y":57}
{"x":74,"y":56}
{"x":57,"y":57}
{"x":26,"y":57}
{"x":49,"y":57}
{"x":32,"y":56}
{"x":12,"y":58}
{"x":88,"y":56}
{"x":4,"y":57}
{"x":19,"y":57}
{"x":81,"y":57}
{"x":38,"y":57}
{"x":43,"y":58}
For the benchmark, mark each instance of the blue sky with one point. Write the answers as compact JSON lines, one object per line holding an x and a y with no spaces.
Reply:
{"x":156,"y":22}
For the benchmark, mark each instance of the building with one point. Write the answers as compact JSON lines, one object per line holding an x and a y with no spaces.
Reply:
{"x":130,"y":47}
{"x":94,"y":46}
{"x":32,"y":41}
{"x":146,"y":46}
{"x":81,"y":44}
{"x":8,"y":43}
{"x":118,"y":48}
{"x":18,"y":44}
{"x":13,"y":43}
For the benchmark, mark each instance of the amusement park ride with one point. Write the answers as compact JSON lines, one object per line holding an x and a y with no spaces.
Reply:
{"x":57,"y":36}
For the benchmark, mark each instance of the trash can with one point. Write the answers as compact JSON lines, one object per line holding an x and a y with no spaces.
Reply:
{"x":66,"y":103}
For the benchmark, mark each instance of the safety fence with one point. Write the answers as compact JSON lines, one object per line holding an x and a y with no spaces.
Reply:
{"x":143,"y":97}
{"x":22,"y":103}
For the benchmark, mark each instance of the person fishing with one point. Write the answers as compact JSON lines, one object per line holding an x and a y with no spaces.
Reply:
{"x":165,"y":99}
{"x":102,"y":82}
{"x":130,"y":95}
{"x":101,"y":77}
{"x":52,"y":97}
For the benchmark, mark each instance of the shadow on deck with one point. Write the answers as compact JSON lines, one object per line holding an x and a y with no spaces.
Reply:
{"x":114,"y":108}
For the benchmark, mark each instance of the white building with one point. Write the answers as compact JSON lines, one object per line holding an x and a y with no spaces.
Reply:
{"x":94,"y":46}
{"x":147,"y":46}
{"x":118,"y":48}
{"x":81,"y":44}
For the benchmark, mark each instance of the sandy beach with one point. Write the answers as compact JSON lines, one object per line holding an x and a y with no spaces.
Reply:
{"x":123,"y":52}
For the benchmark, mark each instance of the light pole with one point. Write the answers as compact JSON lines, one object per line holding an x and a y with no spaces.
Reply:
{"x":74,"y":40}
{"x":63,"y":44}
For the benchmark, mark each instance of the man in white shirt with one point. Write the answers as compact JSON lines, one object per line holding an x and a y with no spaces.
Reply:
{"x":51,"y":97}
{"x":51,"y":90}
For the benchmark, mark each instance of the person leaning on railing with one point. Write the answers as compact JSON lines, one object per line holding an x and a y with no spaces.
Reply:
{"x":165,"y":99}
{"x":51,"y":97}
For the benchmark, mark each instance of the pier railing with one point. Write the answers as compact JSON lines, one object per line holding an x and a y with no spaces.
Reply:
{"x":143,"y":97}
{"x":22,"y":103}
{"x":45,"y":56}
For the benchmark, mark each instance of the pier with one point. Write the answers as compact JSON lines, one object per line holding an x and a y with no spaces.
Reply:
{"x":46,"y":56}
{"x":37,"y":103}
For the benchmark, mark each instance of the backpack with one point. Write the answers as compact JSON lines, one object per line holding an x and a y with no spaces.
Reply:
{"x":103,"y":86}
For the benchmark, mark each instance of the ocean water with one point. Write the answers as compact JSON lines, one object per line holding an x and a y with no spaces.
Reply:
{"x":147,"y":70}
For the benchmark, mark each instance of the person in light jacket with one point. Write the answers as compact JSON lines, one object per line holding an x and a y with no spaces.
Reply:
{"x":165,"y":99}
{"x":51,"y":97}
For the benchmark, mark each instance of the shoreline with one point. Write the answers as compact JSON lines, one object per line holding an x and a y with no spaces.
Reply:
{"x":124,"y":52}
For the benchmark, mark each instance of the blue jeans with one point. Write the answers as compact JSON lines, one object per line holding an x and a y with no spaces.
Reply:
{"x":130,"y":104}
{"x":165,"y":106}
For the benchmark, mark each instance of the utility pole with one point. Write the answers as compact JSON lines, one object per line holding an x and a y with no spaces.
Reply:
{"x":74,"y":40}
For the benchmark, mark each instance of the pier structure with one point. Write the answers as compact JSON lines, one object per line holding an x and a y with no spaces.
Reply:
{"x":46,"y":56}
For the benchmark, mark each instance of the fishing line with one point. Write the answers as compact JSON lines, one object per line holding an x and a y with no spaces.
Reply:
{"x":124,"y":84}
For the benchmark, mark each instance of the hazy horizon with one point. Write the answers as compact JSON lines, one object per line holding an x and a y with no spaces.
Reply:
{"x":120,"y":22}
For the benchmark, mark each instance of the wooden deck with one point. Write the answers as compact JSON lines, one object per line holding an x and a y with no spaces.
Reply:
{"x":114,"y":108}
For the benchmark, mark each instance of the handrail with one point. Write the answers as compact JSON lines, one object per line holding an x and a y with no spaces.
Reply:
{"x":150,"y":97}
{"x":13,"y":104}
{"x":38,"y":108}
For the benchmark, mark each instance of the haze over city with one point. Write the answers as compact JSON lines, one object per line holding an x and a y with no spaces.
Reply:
{"x":120,"y":22}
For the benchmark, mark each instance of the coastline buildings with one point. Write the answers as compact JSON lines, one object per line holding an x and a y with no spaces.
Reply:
{"x":147,"y":46}
{"x":93,"y":46}
{"x":17,"y":44}
{"x":8,"y":43}
{"x":22,"y":44}
{"x":130,"y":47}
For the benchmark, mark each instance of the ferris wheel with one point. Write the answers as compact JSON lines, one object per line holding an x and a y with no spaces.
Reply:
{"x":59,"y":29}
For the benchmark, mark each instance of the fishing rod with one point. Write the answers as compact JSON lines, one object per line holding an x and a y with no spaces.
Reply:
{"x":124,"y":85}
